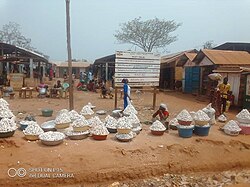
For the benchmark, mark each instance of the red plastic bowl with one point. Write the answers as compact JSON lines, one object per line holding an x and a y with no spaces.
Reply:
{"x":244,"y":129}
{"x":157,"y":133}
{"x":99,"y":137}
{"x":186,"y":123}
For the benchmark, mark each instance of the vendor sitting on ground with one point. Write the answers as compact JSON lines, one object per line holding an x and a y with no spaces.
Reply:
{"x":42,"y":88}
{"x":57,"y":88}
{"x":104,"y":91}
{"x":163,"y":114}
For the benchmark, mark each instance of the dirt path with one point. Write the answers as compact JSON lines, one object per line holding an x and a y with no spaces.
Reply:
{"x":93,"y":162}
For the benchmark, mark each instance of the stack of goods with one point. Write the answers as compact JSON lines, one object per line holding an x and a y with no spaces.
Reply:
{"x":130,"y":109}
{"x":210,"y":111}
{"x":99,"y":132}
{"x":80,"y":129}
{"x":173,"y":124}
{"x":244,"y":121}
{"x":202,"y":125}
{"x":7,"y":127}
{"x":232,"y":128}
{"x":111,"y":124}
{"x":135,"y":122}
{"x":5,"y":112}
{"x":74,"y":115}
{"x":185,"y":127}
{"x":124,"y":130}
{"x":86,"y":111}
{"x":32,"y":131}
{"x":157,"y":128}
{"x":222,"y":118}
{"x":51,"y":138}
{"x":62,"y":121}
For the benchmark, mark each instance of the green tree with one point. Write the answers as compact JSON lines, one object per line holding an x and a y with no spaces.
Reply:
{"x":11,"y":34}
{"x":147,"y":35}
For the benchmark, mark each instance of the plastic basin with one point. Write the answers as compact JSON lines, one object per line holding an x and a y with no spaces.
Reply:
{"x":201,"y":131}
{"x":157,"y":133}
{"x":47,"y":112}
{"x":6,"y":134}
{"x":99,"y":137}
{"x":185,"y":132}
{"x":245,"y":129}
{"x":112,"y":130}
{"x":186,"y":123}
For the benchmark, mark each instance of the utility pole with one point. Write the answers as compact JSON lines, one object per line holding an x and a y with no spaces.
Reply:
{"x":71,"y":97}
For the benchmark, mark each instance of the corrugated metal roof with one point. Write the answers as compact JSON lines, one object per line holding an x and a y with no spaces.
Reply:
{"x":74,"y":64}
{"x":173,"y":57}
{"x":191,"y":56}
{"x":223,"y":57}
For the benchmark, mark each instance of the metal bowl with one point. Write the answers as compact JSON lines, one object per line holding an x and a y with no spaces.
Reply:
{"x":112,"y":130}
{"x":77,"y":136}
{"x":48,"y":126}
{"x":117,"y":113}
{"x":22,"y":126}
{"x":6,"y":134}
{"x":52,"y":143}
{"x":101,"y":112}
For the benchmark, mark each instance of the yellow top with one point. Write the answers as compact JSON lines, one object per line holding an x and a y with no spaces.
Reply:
{"x":224,"y":89}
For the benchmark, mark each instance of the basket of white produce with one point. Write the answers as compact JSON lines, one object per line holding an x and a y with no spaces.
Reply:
{"x":51,"y":138}
{"x":184,"y":118}
{"x":99,"y":132}
{"x":124,"y":126}
{"x":86,"y":111}
{"x":157,"y":128}
{"x":7,"y":127}
{"x":201,"y":118}
{"x":130,"y":109}
{"x":125,"y":137}
{"x":77,"y":135}
{"x":134,"y":120}
{"x":74,"y":115}
{"x":62,"y":121}
{"x":111,"y":124}
{"x":80,"y":125}
{"x":222,"y":118}
{"x":33,"y":131}
{"x":232,"y":128}
{"x":243,"y":116}
{"x":173,"y":124}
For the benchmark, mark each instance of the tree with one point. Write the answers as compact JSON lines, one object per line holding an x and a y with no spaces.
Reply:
{"x":11,"y":34}
{"x":209,"y":44}
{"x":148,"y":35}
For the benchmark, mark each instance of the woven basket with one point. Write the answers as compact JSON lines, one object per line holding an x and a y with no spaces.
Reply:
{"x":201,"y":123}
{"x":78,"y":129}
{"x":62,"y":125}
{"x":52,"y":143}
{"x":124,"y":131}
{"x":31,"y":137}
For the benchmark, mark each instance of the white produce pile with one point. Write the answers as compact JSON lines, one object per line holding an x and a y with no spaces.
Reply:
{"x":99,"y":130}
{"x":185,"y":126}
{"x":94,"y":121}
{"x":110,"y":122}
{"x":5,"y":112}
{"x":80,"y":123}
{"x":33,"y":129}
{"x":130,"y":109}
{"x":174,"y":122}
{"x":222,"y":118}
{"x":125,"y":136}
{"x":73,"y":133}
{"x":244,"y":114}
{"x":124,"y":123}
{"x":63,"y":118}
{"x":74,"y":115}
{"x":201,"y":116}
{"x":184,"y":116}
{"x":7,"y":125}
{"x":232,"y":126}
{"x":51,"y":136}
{"x":26,"y":122}
{"x":157,"y":126}
{"x":3,"y":103}
{"x":62,"y":112}
{"x":86,"y":110}
{"x":133,"y":119}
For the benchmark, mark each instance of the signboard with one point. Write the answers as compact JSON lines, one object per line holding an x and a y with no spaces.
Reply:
{"x":140,"y":68}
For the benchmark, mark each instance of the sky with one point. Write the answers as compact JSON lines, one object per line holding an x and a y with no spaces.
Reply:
{"x":94,"y":23}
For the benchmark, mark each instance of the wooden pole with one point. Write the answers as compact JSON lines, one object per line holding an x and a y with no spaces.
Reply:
{"x":71,"y":97}
{"x":154,"y":98}
{"x":115,"y":97}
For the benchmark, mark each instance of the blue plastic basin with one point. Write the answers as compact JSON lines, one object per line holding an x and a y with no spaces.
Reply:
{"x":201,"y":131}
{"x":185,"y":132}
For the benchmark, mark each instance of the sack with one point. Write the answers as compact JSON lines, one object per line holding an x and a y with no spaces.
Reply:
{"x":215,"y":76}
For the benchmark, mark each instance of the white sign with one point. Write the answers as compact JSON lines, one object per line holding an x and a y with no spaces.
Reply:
{"x":140,"y":68}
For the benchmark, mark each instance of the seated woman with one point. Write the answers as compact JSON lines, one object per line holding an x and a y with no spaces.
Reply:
{"x":57,"y":89}
{"x":42,"y":88}
{"x":161,"y":114}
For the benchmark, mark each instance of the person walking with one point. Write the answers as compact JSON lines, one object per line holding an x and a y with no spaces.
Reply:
{"x":126,"y":92}
{"x":224,"y":92}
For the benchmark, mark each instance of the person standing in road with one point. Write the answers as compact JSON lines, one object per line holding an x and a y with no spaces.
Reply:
{"x":126,"y":92}
{"x":224,"y":91}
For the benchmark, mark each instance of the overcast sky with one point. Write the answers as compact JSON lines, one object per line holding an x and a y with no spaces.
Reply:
{"x":94,"y":22}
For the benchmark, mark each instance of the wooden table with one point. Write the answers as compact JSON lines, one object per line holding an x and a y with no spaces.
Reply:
{"x":23,"y":92}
